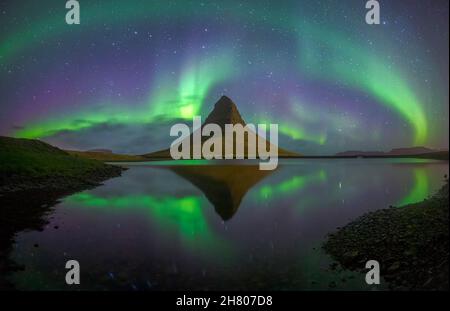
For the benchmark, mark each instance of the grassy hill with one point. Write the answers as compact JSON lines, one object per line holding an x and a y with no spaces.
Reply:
{"x":32,"y":164}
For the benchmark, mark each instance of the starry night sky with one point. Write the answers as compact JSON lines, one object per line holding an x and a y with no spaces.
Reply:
{"x":132,"y":69}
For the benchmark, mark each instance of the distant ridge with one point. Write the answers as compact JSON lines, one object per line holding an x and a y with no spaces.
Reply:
{"x":411,"y":150}
{"x":393,"y":152}
{"x":225,"y":112}
{"x":105,"y":156}
{"x":100,"y":150}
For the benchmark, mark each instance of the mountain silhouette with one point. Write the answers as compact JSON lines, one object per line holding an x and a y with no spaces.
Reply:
{"x":226,"y":112}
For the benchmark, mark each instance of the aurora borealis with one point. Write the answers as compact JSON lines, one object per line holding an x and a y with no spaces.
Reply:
{"x":132,"y":69}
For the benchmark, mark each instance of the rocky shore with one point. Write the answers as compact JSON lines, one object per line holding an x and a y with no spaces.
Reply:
{"x":58,"y":182}
{"x":411,"y":243}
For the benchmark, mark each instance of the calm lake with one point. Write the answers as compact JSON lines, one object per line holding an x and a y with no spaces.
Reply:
{"x":203,"y":225}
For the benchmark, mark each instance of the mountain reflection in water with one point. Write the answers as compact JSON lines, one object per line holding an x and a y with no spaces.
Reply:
{"x":223,"y":185}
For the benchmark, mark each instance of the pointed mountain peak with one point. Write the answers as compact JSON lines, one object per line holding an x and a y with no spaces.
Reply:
{"x":225,"y":101}
{"x":225,"y":112}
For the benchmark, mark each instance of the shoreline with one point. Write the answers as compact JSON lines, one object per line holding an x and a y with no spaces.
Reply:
{"x":92,"y":177}
{"x":411,"y":243}
{"x":34,"y":176}
{"x":26,"y":201}
{"x":440,"y":157}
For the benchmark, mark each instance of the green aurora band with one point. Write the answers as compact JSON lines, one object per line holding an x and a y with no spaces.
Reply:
{"x":180,"y":99}
{"x":290,"y":186}
{"x":370,"y":73}
{"x":182,"y":215}
{"x":420,"y":190}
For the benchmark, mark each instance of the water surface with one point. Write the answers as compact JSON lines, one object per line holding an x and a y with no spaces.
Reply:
{"x":204,"y":225}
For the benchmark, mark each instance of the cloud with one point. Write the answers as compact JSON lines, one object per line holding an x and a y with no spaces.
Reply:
{"x":120,"y":138}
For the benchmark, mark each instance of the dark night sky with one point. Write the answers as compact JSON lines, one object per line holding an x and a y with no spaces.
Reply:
{"x":132,"y":69}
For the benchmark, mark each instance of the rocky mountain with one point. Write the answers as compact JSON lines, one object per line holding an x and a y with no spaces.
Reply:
{"x":226,"y":112}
